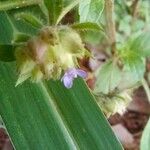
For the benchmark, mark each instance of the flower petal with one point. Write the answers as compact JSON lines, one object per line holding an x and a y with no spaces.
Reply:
{"x":81,"y":73}
{"x":68,"y":81}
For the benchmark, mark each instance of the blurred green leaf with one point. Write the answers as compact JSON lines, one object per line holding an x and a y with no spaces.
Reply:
{"x":87,"y":26}
{"x":90,"y":10}
{"x":7,"y":52}
{"x":15,"y":4}
{"x":108,"y":77}
{"x":30,"y":18}
{"x":15,"y":30}
{"x":92,"y":37}
{"x":124,"y":25}
{"x":20,"y":37}
{"x":54,"y":9}
{"x":133,"y":70}
{"x":6,"y":29}
{"x":27,"y":26}
{"x":145,"y":141}
{"x":67,"y":9}
{"x":48,"y":116}
{"x":141,"y":44}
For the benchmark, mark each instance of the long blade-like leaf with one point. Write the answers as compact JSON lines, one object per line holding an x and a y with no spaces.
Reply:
{"x":30,"y":116}
{"x":83,"y":116}
{"x":47,"y":116}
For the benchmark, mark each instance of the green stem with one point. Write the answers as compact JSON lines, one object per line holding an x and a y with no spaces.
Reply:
{"x":147,"y":13}
{"x":8,"y":5}
{"x":66,"y":10}
{"x":110,"y":24}
{"x":146,"y":88}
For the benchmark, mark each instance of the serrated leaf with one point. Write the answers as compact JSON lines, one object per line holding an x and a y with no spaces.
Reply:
{"x":87,"y":26}
{"x":90,"y":10}
{"x":108,"y":78}
{"x":48,"y":116}
{"x":145,"y":141}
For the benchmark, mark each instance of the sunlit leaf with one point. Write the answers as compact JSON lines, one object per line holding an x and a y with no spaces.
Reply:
{"x":141,"y":44}
{"x":134,"y":68}
{"x":108,"y":77}
{"x":90,"y":10}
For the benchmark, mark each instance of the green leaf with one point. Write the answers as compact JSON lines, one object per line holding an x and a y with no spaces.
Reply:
{"x":13,"y":31}
{"x":48,"y":116}
{"x":54,"y":9}
{"x":30,"y":115}
{"x":145,"y":144}
{"x":30,"y":18}
{"x":20,"y":37}
{"x":90,"y":10}
{"x":134,"y":68}
{"x":27,"y":26}
{"x":141,"y":44}
{"x":66,"y":10}
{"x":6,"y":29}
{"x":108,"y":78}
{"x":7,"y":52}
{"x":87,"y":26}
{"x":15,"y":4}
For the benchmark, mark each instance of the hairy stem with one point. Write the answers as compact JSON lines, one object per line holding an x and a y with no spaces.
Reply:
{"x":146,"y":88}
{"x":7,"y":5}
{"x":110,"y":24}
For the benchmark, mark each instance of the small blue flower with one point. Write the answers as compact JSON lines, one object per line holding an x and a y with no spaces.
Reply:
{"x":70,"y":75}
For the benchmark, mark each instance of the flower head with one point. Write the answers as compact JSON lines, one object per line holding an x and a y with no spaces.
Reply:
{"x":53,"y":51}
{"x":70,"y":75}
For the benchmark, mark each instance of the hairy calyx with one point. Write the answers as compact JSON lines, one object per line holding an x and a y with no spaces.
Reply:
{"x":54,"y":51}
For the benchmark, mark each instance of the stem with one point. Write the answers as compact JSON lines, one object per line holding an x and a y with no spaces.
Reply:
{"x":147,"y":13}
{"x":134,"y":7}
{"x":146,"y":88}
{"x":110,"y":24}
{"x":17,"y":4}
{"x":66,"y":10}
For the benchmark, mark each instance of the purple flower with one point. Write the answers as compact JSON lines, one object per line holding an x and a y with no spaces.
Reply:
{"x":70,"y":75}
